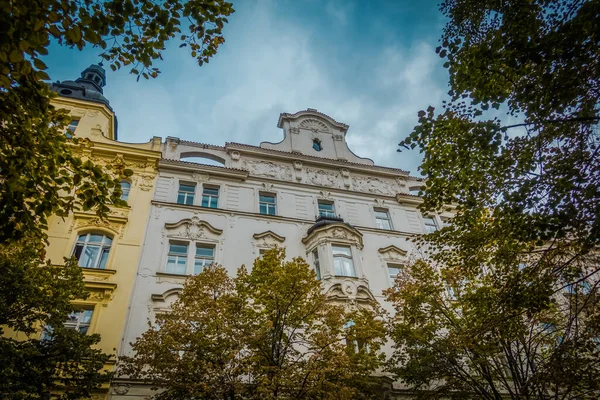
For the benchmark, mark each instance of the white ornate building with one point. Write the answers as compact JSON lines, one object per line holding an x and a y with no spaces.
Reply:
{"x":309,"y":193}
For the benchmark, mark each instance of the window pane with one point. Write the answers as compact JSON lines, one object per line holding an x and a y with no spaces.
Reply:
{"x":103,"y":258}
{"x":186,"y":188}
{"x":263,"y":208}
{"x":341,"y":250}
{"x":89,"y":256}
{"x":125,"y":187}
{"x":326,"y":206}
{"x":343,"y":266}
{"x":178,"y":249}
{"x":381,"y":214}
{"x":78,"y":250}
{"x":267,"y":198}
{"x":181,"y":198}
{"x":205,"y":251}
{"x":393,"y":270}
{"x":211,"y":191}
{"x":95,"y":238}
{"x":86,"y":316}
{"x":189,"y":199}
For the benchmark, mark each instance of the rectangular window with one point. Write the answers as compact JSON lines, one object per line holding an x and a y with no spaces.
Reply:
{"x":326,"y":209}
{"x":210,"y":197}
{"x":71,"y":128}
{"x":177,"y":259}
{"x":205,"y":255}
{"x":342,"y":260}
{"x":79,"y":320}
{"x":315,"y":255}
{"x":185,"y":195}
{"x":394,"y":270}
{"x":267,"y":204}
{"x":430,"y":224}
{"x":382,"y":219}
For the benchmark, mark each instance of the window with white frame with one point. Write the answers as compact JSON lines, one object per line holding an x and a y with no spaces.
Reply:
{"x":92,"y":249}
{"x":382,"y":219}
{"x":342,"y":260}
{"x":315,"y":254}
{"x":79,"y":320}
{"x":185,"y":195}
{"x":393,"y":270}
{"x":205,"y":255}
{"x":430,"y":224}
{"x":210,"y":196}
{"x":125,"y":188}
{"x":267,"y":204}
{"x":177,"y":258}
{"x":326,"y":209}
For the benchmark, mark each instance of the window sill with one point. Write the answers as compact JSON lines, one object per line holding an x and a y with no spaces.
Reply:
{"x":171,"y":275}
{"x":98,"y":271}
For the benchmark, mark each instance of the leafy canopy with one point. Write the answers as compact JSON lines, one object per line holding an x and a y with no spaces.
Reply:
{"x":268,"y":333}
{"x":521,"y":253}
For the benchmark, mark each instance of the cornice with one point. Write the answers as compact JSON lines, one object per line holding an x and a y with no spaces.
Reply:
{"x":269,"y":233}
{"x":197,"y":221}
{"x":163,"y":296}
{"x":328,"y":163}
{"x":232,"y":173}
{"x":392,"y":248}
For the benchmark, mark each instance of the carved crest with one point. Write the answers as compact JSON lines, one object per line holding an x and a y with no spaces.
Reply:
{"x":268,"y":239}
{"x":393,"y":253}
{"x":314,"y":125}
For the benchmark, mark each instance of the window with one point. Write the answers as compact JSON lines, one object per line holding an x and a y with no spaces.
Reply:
{"x":394,"y":270}
{"x":125,"y":188}
{"x":315,"y":255}
{"x":267,"y":204}
{"x":430,"y":224}
{"x":326,"y":209}
{"x":71,"y":128}
{"x":342,"y":260}
{"x":177,"y":258}
{"x":382,"y":219}
{"x":317,"y":145}
{"x":210,"y":197}
{"x":92,"y":250}
{"x":450,"y":292}
{"x":185,"y":195}
{"x":261,"y":253}
{"x":205,"y":255}
{"x":77,"y":320}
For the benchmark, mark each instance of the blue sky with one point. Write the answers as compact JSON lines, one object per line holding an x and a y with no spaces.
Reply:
{"x":370,"y":64}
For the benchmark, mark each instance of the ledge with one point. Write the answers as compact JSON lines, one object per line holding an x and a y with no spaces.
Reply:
{"x":169,"y":275}
{"x":98,"y":271}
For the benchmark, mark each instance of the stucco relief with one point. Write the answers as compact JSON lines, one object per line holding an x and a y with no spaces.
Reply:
{"x":393,"y":253}
{"x":268,"y":239}
{"x":321,"y":177}
{"x":80,"y":223}
{"x":333,"y":233}
{"x":146,"y":182}
{"x":117,"y":161}
{"x":374,"y":185}
{"x":269,"y":169}
{"x":314,"y":125}
{"x":193,"y":229}
{"x":349,"y":291}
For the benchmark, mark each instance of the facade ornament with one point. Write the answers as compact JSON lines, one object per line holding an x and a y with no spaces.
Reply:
{"x":338,"y":137}
{"x":314,"y":125}
{"x":370,"y":184}
{"x":192,"y":228}
{"x":298,"y":165}
{"x":146,"y":182}
{"x":393,"y":253}
{"x":295,"y":130}
{"x":379,"y":202}
{"x":339,"y":233}
{"x":267,"y":186}
{"x":91,"y":113}
{"x":200,"y":177}
{"x":325,"y":194}
{"x":269,"y":169}
{"x":121,"y":388}
{"x":321,"y":177}
{"x":235,"y":155}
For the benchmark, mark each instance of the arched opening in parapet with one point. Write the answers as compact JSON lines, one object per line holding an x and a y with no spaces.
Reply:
{"x":416,"y":190}
{"x":202,"y":158}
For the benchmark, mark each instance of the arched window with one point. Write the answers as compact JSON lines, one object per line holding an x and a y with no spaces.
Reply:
{"x":317,"y":145}
{"x":91,"y":249}
{"x":125,"y":187}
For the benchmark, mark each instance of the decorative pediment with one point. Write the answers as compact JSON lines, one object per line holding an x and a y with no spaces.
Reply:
{"x":192,"y":228}
{"x":349,"y":290}
{"x":164,"y":301}
{"x":165,"y":296}
{"x":332,"y":232}
{"x":393,"y":253}
{"x":268,"y":239}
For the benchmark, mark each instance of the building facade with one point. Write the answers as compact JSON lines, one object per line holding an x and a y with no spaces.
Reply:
{"x":108,"y":250}
{"x":309,"y":193}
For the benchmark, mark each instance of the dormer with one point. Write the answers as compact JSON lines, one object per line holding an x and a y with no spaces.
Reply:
{"x":315,"y":134}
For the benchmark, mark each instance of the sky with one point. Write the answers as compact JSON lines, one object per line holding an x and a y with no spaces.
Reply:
{"x":369,"y":64}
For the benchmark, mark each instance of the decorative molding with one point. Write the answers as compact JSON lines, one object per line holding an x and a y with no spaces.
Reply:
{"x":115,"y":222}
{"x":270,"y":234}
{"x":267,"y":186}
{"x":325,"y":194}
{"x":200,"y":177}
{"x":370,"y":184}
{"x":163,"y":296}
{"x":193,"y":228}
{"x":322,"y":177}
{"x":294,"y":130}
{"x":101,"y":292}
{"x":336,"y":232}
{"x":146,"y":182}
{"x":121,"y":388}
{"x":393,"y":253}
{"x":269,"y":169}
{"x":235,"y":155}
{"x":314,"y":125}
{"x":348,"y":290}
{"x":338,"y":137}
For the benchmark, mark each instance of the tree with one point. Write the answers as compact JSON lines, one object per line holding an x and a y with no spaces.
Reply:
{"x":38,"y":294}
{"x":522,"y":250}
{"x":268,"y":333}
{"x":42,"y":173}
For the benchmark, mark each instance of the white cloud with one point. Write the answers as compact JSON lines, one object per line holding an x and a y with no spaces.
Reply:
{"x":270,"y":65}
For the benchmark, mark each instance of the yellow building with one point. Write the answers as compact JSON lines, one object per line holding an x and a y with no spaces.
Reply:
{"x":108,"y":250}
